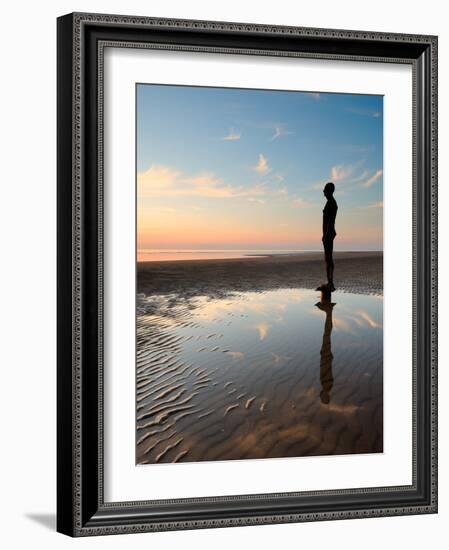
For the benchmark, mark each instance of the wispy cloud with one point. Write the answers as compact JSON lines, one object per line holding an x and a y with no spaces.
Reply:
{"x":378,"y":204}
{"x":372,"y":179}
{"x":280,"y":360}
{"x":365,"y":112}
{"x":263,"y":328}
{"x":362,"y":176}
{"x":280,"y":130}
{"x":341,"y":172}
{"x":282,"y":190}
{"x":232,"y":135}
{"x":349,"y":174}
{"x":163,"y":181}
{"x":300,"y":202}
{"x":156,"y":178}
{"x":369,"y":320}
{"x":342,"y":324}
{"x":262,"y":165}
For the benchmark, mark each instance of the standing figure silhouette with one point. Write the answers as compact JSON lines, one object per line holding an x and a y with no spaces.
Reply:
{"x":329,"y":234}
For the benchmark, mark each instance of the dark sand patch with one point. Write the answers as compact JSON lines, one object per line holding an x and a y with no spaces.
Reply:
{"x":357,"y":272}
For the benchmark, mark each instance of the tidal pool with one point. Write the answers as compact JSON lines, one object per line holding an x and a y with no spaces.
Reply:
{"x":258,"y":375}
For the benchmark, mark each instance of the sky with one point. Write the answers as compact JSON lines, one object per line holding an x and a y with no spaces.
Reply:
{"x":228,"y":168}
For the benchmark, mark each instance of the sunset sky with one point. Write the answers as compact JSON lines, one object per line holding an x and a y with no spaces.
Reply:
{"x":221,"y":168}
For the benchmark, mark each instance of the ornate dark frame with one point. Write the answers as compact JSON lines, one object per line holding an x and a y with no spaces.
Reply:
{"x":81,"y":509}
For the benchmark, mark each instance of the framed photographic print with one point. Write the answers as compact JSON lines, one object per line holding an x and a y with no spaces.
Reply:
{"x":247,"y":274}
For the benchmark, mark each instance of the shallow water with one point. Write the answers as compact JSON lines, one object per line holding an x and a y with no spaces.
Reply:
{"x":157,"y":255}
{"x":258,"y":375}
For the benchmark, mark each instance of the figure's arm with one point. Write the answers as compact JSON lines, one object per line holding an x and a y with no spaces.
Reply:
{"x":329,"y":225}
{"x":327,"y":229}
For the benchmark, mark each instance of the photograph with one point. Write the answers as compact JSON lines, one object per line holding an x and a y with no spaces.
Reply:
{"x":247,"y":272}
{"x":259,"y":273}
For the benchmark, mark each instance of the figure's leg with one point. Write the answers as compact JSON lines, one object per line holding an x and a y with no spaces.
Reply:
{"x":328,"y":252}
{"x":328,"y":259}
{"x":329,"y":271}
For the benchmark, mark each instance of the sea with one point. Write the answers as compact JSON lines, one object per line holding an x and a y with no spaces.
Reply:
{"x":157,"y":255}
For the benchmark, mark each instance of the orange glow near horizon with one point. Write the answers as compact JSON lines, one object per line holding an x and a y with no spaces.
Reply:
{"x":245,"y":169}
{"x":199,"y":231}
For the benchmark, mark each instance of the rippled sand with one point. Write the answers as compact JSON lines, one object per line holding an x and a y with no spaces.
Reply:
{"x":231,"y":373}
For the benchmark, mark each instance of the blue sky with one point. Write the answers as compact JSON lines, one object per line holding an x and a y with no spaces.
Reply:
{"x":234,"y":168}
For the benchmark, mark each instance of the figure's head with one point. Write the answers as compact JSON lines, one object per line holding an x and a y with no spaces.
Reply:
{"x":329,"y":189}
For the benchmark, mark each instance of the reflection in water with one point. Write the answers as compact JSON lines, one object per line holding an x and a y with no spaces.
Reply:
{"x":326,"y":378}
{"x":236,"y":377}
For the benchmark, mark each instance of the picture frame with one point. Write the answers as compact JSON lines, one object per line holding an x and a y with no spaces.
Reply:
{"x":81,"y":507}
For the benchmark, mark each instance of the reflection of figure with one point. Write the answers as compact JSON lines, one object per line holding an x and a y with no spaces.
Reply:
{"x":329,"y":234}
{"x":326,"y":378}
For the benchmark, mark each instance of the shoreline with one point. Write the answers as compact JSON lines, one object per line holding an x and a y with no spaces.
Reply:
{"x":312,"y":255}
{"x":356,"y":272}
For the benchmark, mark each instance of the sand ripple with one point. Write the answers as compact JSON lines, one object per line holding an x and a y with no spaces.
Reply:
{"x":246,"y":397}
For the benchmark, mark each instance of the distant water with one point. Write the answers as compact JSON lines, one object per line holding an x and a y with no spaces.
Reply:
{"x":155,"y":255}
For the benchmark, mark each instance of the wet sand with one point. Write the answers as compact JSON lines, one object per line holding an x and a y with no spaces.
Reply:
{"x":358,"y":272}
{"x":235,"y":359}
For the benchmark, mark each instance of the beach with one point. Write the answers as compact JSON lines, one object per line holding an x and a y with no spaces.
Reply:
{"x":358,"y":272}
{"x":238,"y":359}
